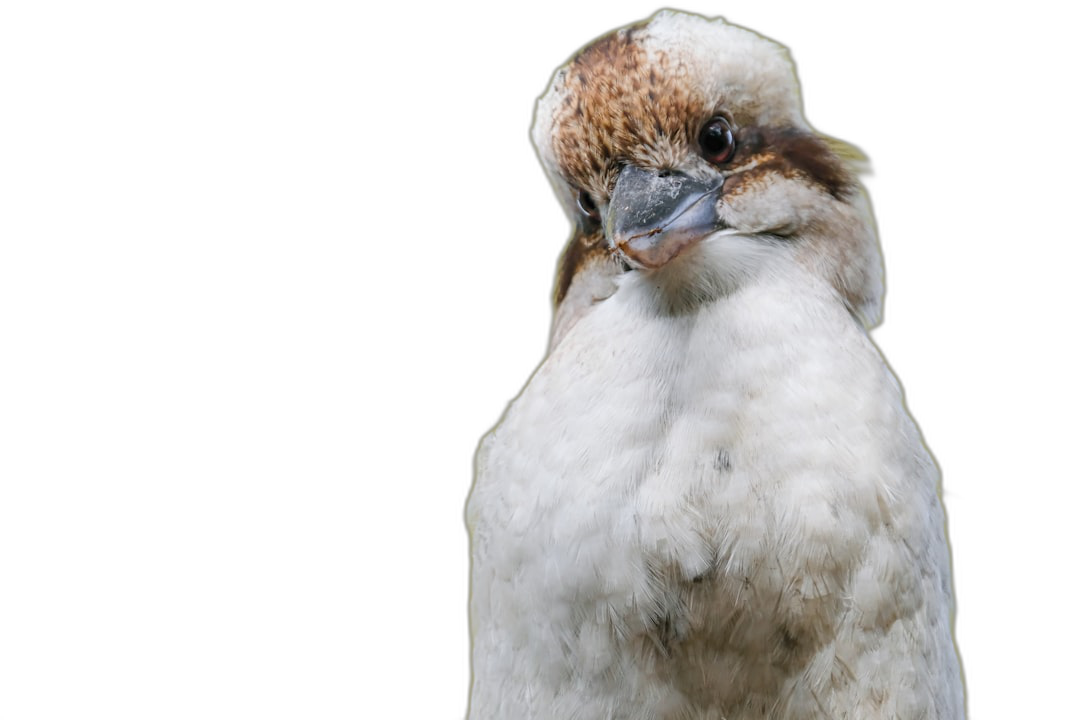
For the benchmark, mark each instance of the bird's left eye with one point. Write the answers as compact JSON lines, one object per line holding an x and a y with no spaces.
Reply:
{"x":587,"y":206}
{"x":717,"y":141}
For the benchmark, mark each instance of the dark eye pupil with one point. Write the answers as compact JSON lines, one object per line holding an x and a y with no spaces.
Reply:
{"x":586,"y":205}
{"x":717,"y":141}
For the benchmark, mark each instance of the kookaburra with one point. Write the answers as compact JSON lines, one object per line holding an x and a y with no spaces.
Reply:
{"x":709,"y":501}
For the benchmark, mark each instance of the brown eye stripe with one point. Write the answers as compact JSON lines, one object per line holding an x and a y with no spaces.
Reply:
{"x":583,"y":247}
{"x":789,"y":152}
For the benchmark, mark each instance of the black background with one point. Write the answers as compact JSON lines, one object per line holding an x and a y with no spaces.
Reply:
{"x":919,"y":94}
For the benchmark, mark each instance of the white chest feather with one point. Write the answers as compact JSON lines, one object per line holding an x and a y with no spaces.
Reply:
{"x":726,"y":513}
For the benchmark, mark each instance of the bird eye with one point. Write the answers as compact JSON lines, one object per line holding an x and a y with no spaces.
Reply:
{"x":587,"y":206}
{"x":717,"y":142}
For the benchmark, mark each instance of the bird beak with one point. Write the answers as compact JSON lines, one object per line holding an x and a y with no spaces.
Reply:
{"x":654,"y":216}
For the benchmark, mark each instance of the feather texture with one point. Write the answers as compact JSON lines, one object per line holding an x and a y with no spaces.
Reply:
{"x":709,"y":501}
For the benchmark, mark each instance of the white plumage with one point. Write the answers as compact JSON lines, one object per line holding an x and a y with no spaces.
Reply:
{"x":709,"y":501}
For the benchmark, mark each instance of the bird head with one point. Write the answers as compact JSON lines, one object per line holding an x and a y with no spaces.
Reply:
{"x":679,"y":150}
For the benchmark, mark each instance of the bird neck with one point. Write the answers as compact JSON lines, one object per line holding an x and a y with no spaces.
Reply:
{"x":711,"y":272}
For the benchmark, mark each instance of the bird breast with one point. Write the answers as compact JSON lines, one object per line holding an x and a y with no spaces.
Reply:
{"x":696,"y":489}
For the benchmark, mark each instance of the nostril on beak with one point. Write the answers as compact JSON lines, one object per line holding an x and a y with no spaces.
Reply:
{"x":665,"y":172}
